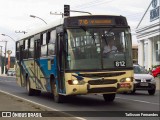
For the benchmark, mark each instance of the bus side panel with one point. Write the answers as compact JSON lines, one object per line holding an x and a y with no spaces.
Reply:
{"x":41,"y":78}
{"x":18,"y":78}
{"x":32,"y":69}
{"x":28,"y":66}
{"x":47,"y":68}
{"x":39,"y":72}
{"x":20,"y":74}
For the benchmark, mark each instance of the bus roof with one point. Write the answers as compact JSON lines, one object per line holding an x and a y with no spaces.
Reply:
{"x":60,"y":22}
{"x":41,"y":29}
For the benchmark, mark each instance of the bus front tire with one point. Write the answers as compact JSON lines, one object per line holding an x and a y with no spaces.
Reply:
{"x":57,"y":97}
{"x":109,"y":97}
{"x":133,"y":91}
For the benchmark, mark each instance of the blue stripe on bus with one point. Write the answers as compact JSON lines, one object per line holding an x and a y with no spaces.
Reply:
{"x":44,"y":68}
{"x":43,"y":65}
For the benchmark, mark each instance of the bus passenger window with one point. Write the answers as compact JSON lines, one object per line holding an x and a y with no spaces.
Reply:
{"x":44,"y":39}
{"x":52,"y":36}
{"x":32,"y":43}
{"x":44,"y":44}
{"x":17,"y":46}
{"x":31,"y":48}
{"x":25,"y":44}
{"x":51,"y":44}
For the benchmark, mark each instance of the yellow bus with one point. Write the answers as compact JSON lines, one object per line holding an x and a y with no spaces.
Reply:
{"x":74,"y":57}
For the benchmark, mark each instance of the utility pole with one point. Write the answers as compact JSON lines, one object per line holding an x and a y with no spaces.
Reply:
{"x":4,"y":70}
{"x":9,"y":52}
{"x":67,"y":11}
{"x":1,"y":60}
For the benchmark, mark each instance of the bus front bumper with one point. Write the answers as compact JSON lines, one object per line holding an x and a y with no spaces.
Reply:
{"x":91,"y":89}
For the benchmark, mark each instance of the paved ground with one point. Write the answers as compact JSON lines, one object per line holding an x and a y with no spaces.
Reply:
{"x":139,"y":102}
{"x":12,"y":105}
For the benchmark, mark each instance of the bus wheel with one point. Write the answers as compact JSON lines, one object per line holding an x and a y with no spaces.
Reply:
{"x":57,"y":97}
{"x":109,"y":97}
{"x":133,"y":91}
{"x":37,"y":92}
{"x":29,"y":89}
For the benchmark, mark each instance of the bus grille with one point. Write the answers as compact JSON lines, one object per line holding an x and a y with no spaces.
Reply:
{"x":103,"y":74}
{"x":102,"y":90}
{"x":101,"y":82}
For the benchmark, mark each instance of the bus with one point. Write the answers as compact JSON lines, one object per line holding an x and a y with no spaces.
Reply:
{"x":67,"y":58}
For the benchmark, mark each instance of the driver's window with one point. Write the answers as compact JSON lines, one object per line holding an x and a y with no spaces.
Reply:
{"x":109,"y":43}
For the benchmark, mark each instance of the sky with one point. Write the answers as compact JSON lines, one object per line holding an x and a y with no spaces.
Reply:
{"x":15,"y":14}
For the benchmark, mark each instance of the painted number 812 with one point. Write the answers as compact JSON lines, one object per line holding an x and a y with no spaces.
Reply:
{"x":120,"y":63}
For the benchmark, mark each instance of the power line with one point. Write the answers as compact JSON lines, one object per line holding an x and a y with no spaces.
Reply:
{"x":144,"y":14}
{"x":91,"y":4}
{"x":86,"y":4}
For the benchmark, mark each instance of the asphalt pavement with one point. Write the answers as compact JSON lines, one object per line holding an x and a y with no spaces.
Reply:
{"x":12,"y":107}
{"x":141,"y":101}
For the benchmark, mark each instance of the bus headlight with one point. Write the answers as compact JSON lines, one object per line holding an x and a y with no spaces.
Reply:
{"x":129,"y":79}
{"x":75,"y":82}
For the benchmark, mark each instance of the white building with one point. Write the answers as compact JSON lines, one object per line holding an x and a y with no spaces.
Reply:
{"x":148,"y":35}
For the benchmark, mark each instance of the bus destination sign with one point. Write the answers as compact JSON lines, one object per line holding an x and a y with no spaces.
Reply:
{"x":94,"y":22}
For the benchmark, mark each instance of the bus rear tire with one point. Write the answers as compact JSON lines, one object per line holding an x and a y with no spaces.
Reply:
{"x":29,"y":89}
{"x":109,"y":97}
{"x":57,"y":97}
{"x":37,"y":92}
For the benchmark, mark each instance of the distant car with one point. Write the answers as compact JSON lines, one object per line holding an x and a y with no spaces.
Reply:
{"x":11,"y":73}
{"x":156,"y":72}
{"x":143,"y":80}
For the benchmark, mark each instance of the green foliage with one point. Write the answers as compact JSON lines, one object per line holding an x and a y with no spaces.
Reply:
{"x":154,"y":66}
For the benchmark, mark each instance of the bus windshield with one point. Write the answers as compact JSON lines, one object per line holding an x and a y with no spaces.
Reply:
{"x":98,"y":48}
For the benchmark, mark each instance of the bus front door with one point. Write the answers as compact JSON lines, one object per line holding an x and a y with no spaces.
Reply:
{"x":60,"y":62}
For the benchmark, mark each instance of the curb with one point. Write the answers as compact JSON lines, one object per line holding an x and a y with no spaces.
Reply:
{"x":42,"y":107}
{"x":45,"y":108}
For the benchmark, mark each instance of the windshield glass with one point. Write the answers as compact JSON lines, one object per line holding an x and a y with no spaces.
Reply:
{"x":98,"y":48}
{"x":139,"y":70}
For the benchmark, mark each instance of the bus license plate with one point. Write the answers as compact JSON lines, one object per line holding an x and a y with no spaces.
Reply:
{"x":144,"y":84}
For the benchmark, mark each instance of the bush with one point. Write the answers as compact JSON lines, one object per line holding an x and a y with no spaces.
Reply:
{"x":154,"y":66}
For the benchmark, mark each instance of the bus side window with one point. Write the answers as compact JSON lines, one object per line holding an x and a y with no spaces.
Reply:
{"x":31,"y":48}
{"x":25,"y":51}
{"x":44,"y":44}
{"x":51,"y":44}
